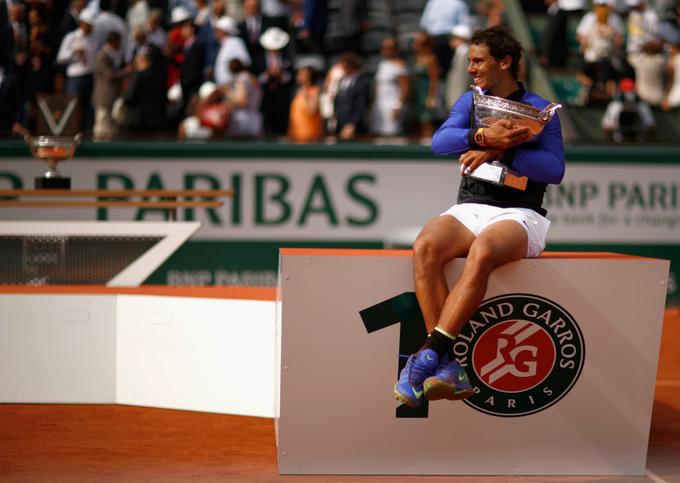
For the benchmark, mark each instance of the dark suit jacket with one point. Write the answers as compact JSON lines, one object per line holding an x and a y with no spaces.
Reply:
{"x":351,"y":103}
{"x":256,"y":51}
{"x":191,"y":72}
{"x":145,"y":101}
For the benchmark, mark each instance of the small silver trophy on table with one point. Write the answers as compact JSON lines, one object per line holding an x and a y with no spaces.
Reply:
{"x":53,"y":150}
{"x":491,"y":109}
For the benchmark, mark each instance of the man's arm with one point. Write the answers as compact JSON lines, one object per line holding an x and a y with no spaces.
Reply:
{"x":541,"y":160}
{"x":452,"y":137}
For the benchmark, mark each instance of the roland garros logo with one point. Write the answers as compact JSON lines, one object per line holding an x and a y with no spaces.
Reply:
{"x":522,"y":353}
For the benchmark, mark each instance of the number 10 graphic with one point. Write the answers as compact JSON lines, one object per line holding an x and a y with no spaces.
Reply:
{"x":405,"y":311}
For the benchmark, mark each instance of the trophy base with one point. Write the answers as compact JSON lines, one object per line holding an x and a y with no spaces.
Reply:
{"x":52,"y":183}
{"x":498,"y":174}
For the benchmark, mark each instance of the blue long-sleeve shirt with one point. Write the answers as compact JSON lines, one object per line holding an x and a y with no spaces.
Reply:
{"x":541,"y":159}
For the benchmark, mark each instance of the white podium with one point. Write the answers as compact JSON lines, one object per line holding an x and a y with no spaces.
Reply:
{"x":563,"y":354}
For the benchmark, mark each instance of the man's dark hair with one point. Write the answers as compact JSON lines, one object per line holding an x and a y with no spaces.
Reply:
{"x":113,"y":36}
{"x":501,"y":41}
{"x":105,"y":5}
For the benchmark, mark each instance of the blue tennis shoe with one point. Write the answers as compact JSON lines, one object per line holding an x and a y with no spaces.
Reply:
{"x":423,"y":364}
{"x":407,"y":394}
{"x":449,"y":382}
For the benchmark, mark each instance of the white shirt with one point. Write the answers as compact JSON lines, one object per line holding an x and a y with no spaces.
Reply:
{"x":598,"y":46}
{"x":569,"y":5}
{"x":643,"y":27}
{"x":440,"y":16}
{"x":77,"y":65}
{"x":230,"y":48}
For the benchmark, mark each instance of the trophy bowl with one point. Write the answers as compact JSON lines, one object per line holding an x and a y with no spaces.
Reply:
{"x":52,"y":150}
{"x":490,"y":109}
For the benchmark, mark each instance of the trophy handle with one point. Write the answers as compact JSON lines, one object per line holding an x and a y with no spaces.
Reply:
{"x":549,"y":111}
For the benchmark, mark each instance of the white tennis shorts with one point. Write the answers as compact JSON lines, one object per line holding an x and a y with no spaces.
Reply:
{"x":475,"y":217}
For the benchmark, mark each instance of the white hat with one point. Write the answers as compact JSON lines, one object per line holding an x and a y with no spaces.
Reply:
{"x":206,"y":89}
{"x":604,"y":2}
{"x":462,"y":31}
{"x":87,"y":16}
{"x":175,"y":93}
{"x":180,"y":14}
{"x":274,"y":39}
{"x":227,"y":25}
{"x":633,"y":3}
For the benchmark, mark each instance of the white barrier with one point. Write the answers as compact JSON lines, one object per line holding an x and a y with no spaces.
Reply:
{"x":159,"y":351}
{"x":574,"y":397}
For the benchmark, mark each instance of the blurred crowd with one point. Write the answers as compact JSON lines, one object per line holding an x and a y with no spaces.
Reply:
{"x":629,"y":57}
{"x":307,"y":70}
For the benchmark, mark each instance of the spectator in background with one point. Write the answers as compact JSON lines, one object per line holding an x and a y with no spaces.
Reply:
{"x":554,"y":46}
{"x":311,"y":26}
{"x":18,"y":46}
{"x":176,"y":39}
{"x":231,"y":47}
{"x":392,"y":87}
{"x":669,"y":25}
{"x":107,"y":86}
{"x":40,"y":71}
{"x":438,"y":19}
{"x":276,"y":81}
{"x":650,"y":66}
{"x":426,"y":85}
{"x":458,"y":79}
{"x":306,"y":123}
{"x":10,"y":109}
{"x":155,"y":34}
{"x":600,"y":35}
{"x":145,"y":98}
{"x":642,"y":28}
{"x":491,"y":14}
{"x":328,"y":93}
{"x":672,"y":96}
{"x":244,"y":96}
{"x":203,"y":120}
{"x":137,"y":14}
{"x":77,"y":52}
{"x":644,"y":50}
{"x":203,"y":13}
{"x":69,"y":21}
{"x":106,"y":22}
{"x":278,"y":10}
{"x":191,"y":70}
{"x":250,"y":29}
{"x":352,"y":99}
{"x":628,"y":118}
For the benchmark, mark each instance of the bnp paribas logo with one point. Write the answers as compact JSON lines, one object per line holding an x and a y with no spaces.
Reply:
{"x":522,"y":353}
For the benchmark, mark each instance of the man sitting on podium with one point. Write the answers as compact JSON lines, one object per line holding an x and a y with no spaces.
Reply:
{"x":491,"y":225}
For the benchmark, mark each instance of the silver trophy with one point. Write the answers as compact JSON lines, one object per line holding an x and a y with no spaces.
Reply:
{"x":53,"y":150}
{"x":491,"y":109}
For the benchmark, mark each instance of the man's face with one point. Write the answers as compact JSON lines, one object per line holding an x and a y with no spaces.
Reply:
{"x":486,"y":71}
{"x":251,"y":8}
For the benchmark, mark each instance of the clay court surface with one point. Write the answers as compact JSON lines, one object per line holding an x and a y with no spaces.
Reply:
{"x":41,"y":442}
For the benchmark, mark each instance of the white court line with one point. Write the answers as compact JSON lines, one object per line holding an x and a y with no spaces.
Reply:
{"x":654,"y":478}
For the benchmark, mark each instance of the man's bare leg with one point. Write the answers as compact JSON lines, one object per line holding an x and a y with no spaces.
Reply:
{"x":497,"y":245}
{"x":441,"y":240}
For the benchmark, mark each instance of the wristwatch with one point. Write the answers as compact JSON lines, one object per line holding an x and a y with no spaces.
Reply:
{"x":480,"y":139}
